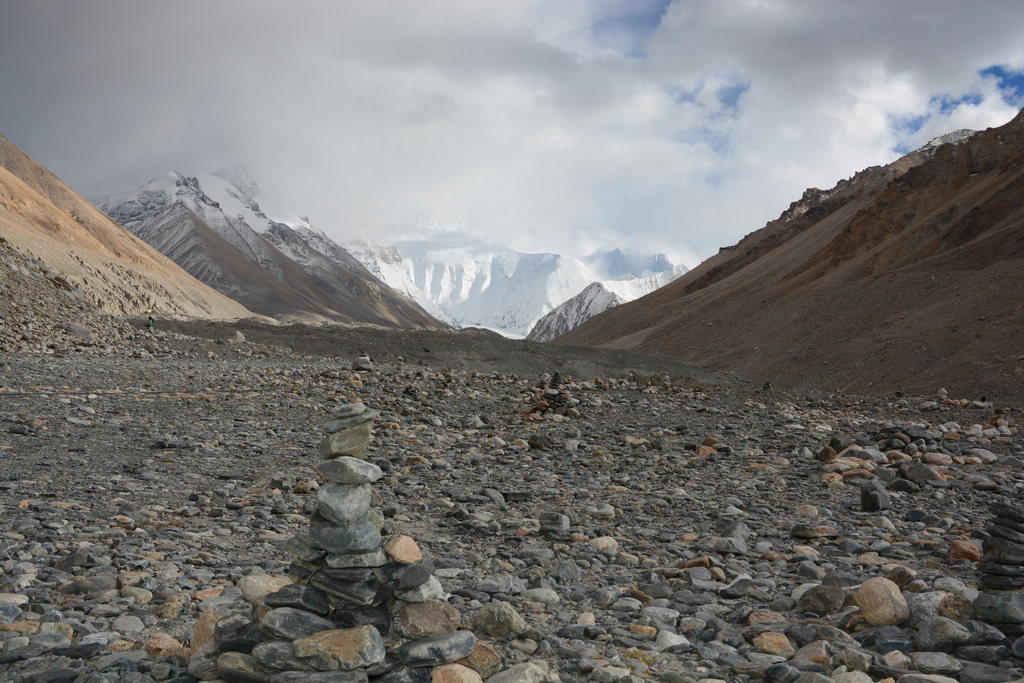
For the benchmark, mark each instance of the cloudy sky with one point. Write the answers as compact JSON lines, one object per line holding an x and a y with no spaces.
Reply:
{"x":552,"y":125}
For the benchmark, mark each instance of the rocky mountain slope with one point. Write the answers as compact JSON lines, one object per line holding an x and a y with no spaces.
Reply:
{"x":470,"y":283}
{"x":903,"y":277}
{"x":219,"y":234}
{"x":88,"y":254}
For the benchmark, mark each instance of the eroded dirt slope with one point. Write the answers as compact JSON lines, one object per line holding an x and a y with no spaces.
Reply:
{"x":905,"y":277}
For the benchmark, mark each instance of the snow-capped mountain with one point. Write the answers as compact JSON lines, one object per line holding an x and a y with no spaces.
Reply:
{"x":218,"y":233}
{"x":628,"y":287}
{"x":597,"y":298}
{"x":214,"y":228}
{"x":956,"y":137}
{"x":467,"y":282}
{"x":594,"y":299}
{"x":615,"y":264}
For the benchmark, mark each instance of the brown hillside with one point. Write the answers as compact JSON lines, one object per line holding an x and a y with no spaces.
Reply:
{"x":44,"y":218}
{"x":905,"y":277}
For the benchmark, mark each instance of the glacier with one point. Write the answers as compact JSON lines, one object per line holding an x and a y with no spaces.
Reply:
{"x":471,"y":283}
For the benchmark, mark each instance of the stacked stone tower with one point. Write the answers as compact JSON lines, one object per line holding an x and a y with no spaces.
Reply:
{"x":361,"y":607}
{"x":1002,"y":570}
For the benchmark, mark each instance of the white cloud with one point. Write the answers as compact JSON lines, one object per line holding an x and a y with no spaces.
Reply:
{"x":559,"y":125}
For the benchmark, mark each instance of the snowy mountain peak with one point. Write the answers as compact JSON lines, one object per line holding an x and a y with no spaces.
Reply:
{"x":468,"y":282}
{"x":616,"y":264}
{"x":239,"y":178}
{"x":218,"y":232}
{"x":953,"y":136}
{"x":594,"y":299}
{"x":455,"y":277}
{"x":598,"y":298}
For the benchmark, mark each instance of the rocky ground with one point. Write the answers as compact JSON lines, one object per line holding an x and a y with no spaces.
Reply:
{"x":634,"y":526}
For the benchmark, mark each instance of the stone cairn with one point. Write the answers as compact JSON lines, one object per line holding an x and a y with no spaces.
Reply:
{"x":360,"y":607}
{"x":550,"y":398}
{"x":1002,"y":570}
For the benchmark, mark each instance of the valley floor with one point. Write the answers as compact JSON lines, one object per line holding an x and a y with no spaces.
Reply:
{"x":673,"y":521}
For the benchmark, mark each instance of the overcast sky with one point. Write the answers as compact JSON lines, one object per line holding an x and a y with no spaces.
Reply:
{"x":562,"y":125}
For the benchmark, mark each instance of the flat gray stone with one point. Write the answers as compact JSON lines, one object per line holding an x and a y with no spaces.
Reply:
{"x":290,"y":623}
{"x":349,"y":470}
{"x":361,"y":536}
{"x":436,"y":650}
{"x":344,"y":504}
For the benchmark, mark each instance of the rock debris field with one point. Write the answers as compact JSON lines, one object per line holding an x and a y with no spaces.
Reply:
{"x":164,"y":504}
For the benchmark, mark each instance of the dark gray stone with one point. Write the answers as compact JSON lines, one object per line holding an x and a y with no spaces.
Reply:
{"x":347,"y":422}
{"x":822,"y":600}
{"x":300,"y":596}
{"x":410,"y":576}
{"x":290,"y":623}
{"x":940,"y":634}
{"x":238,"y":667}
{"x":302,"y":547}
{"x":346,"y":588}
{"x":9,"y":612}
{"x":986,"y":654}
{"x":361,"y":536}
{"x":348,"y":470}
{"x":319,"y":677}
{"x":236,"y":633}
{"x":874,"y":497}
{"x":1001,"y":607}
{"x":344,"y":504}
{"x":279,"y":655}
{"x":379,"y":617}
{"x":974,"y":672}
{"x":1001,"y":551}
{"x":405,"y":676}
{"x":919,"y":472}
{"x":436,"y":650}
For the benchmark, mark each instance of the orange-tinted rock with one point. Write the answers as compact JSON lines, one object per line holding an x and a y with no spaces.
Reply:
{"x":774,"y":643}
{"x":826,"y":454}
{"x":485,"y":660}
{"x":964,"y":550}
{"x":21,"y":626}
{"x":765,"y":617}
{"x":454,"y":673}
{"x":643,"y":632}
{"x":207,"y":593}
{"x":403,"y":549}
{"x":956,"y":608}
{"x":429,"y":618}
{"x":164,"y":645}
{"x":817,"y":651}
{"x":202,"y":632}
{"x":173,"y":606}
{"x":347,"y":649}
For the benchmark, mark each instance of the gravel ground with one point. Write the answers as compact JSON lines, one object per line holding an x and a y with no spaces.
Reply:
{"x":651,"y":523}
